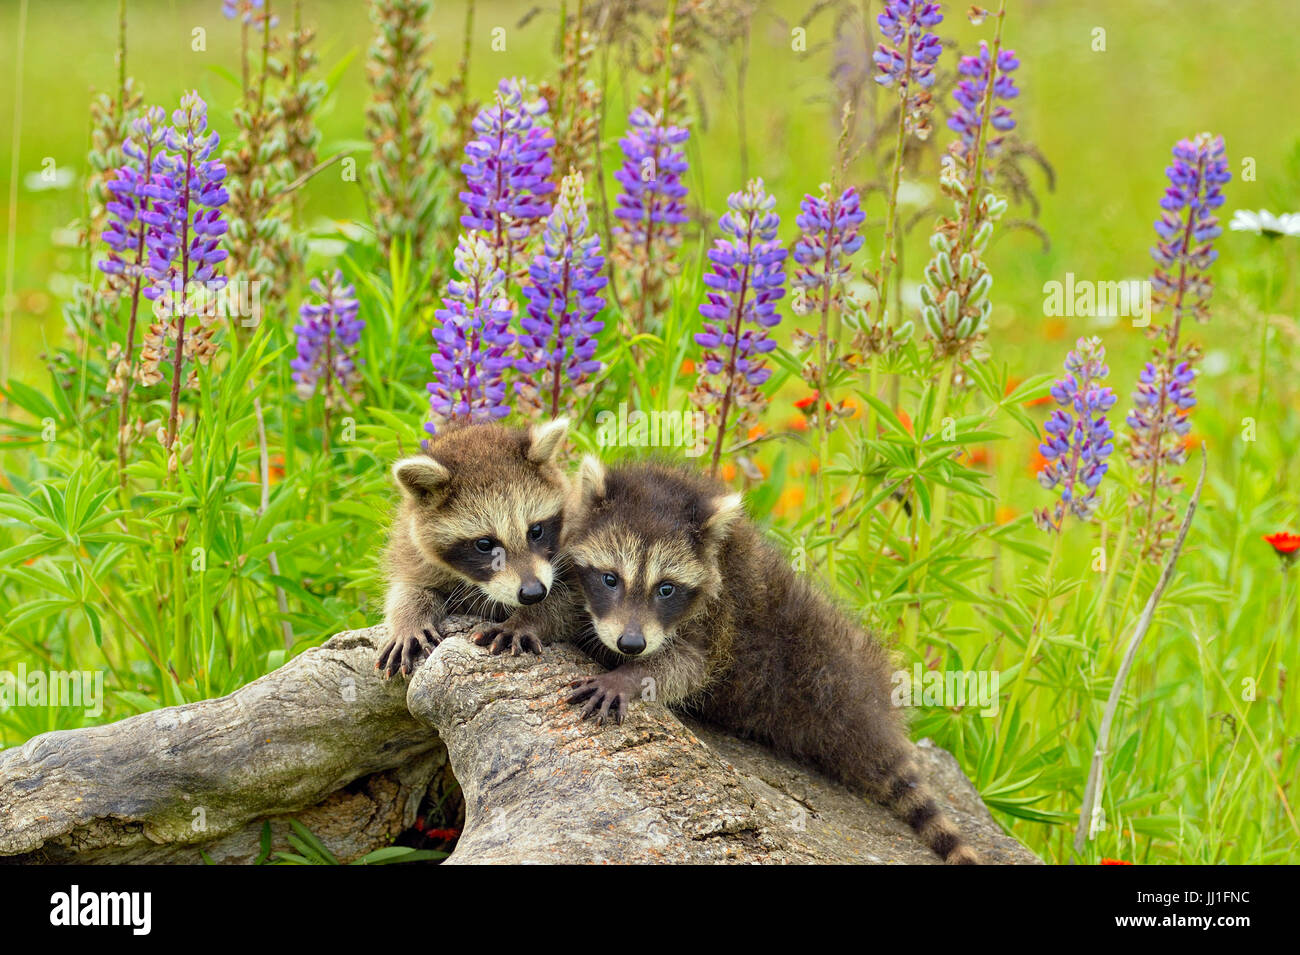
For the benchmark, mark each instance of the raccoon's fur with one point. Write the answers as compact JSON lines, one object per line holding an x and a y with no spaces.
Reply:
{"x":689,"y":602}
{"x":477,"y":532}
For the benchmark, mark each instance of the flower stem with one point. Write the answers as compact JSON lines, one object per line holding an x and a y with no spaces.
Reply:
{"x":738,"y":321}
{"x":986,"y":109}
{"x":1170,"y":361}
{"x":123,"y":410}
{"x":824,"y":400}
{"x":939,"y":500}
{"x":1027,"y":662}
{"x":558,"y":367}
{"x":178,"y":358}
{"x":895,"y":176}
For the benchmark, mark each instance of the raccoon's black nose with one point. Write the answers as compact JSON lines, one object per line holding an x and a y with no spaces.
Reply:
{"x":532,"y":592}
{"x":631,"y":642}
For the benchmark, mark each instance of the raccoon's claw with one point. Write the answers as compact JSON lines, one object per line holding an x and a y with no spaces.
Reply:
{"x":607,"y":697}
{"x":500,"y":639}
{"x":403,"y":654}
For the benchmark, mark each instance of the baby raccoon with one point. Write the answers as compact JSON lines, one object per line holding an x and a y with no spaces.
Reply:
{"x":689,"y":602}
{"x":476,"y":533}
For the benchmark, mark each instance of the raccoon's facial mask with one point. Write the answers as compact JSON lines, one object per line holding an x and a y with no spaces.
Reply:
{"x":631,"y":617}
{"x":492,"y":516}
{"x":514,"y":567}
{"x":638,"y":588}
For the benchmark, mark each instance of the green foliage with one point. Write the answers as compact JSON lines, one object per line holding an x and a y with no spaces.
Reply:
{"x":187,"y":585}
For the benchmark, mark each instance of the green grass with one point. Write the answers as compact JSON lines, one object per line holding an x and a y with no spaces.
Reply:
{"x":1201,"y":770}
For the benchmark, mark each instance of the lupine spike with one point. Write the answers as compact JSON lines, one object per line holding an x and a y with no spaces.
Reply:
{"x":133,"y":206}
{"x":184,"y":255}
{"x":399,"y":124}
{"x":746,"y":282}
{"x":188,"y":248}
{"x":560,"y":325}
{"x":969,"y":94}
{"x":136,"y":212}
{"x":958,"y":267}
{"x":327,"y":335}
{"x":1160,"y":419}
{"x":1187,"y":226}
{"x":507,"y":168}
{"x":909,"y":62}
{"x":828,"y":238}
{"x":248,"y":12}
{"x":650,"y":208}
{"x":1078,"y":438}
{"x":472,"y":338}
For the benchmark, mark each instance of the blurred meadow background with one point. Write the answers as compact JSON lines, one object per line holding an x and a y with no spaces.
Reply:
{"x":184,"y":579}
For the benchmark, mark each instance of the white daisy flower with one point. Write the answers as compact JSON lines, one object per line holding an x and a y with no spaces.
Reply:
{"x":1265,"y":224}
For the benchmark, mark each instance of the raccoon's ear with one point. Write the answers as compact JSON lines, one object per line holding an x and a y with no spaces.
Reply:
{"x":725,"y":511}
{"x":591,"y":480}
{"x":420,"y":476}
{"x":544,"y":440}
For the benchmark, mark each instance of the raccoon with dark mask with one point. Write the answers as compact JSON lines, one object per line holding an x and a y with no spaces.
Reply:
{"x":689,"y":604}
{"x":477,"y":532}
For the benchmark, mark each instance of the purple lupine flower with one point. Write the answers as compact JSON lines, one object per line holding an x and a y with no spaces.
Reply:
{"x":1162,"y":406}
{"x":560,"y":324}
{"x":828,"y":236}
{"x":1160,"y":419}
{"x":909,"y":63}
{"x":188,"y":249}
{"x":650,"y":207}
{"x":472,"y":337}
{"x":967,"y":118}
{"x":183,"y":254}
{"x":135,"y":209}
{"x":247,"y":11}
{"x":747,"y":280}
{"x":327,"y":334}
{"x":1188,"y":225}
{"x":1079,"y":438}
{"x":509,"y":163}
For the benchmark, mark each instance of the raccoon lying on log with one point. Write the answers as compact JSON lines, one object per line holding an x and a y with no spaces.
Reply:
{"x":688,"y":601}
{"x":681,"y":594}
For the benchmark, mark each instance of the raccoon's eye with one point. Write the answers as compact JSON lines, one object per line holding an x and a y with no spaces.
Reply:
{"x":535,"y":532}
{"x":483,"y":545}
{"x":610,"y":581}
{"x":666,"y":590}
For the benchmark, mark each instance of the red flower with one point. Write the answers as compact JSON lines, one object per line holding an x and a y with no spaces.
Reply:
{"x":807,"y":405}
{"x":1285,"y":544}
{"x":1115,"y":862}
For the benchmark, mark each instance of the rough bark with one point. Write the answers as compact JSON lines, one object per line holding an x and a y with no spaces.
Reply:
{"x":541,"y":785}
{"x":324,"y":741}
{"x":159,"y":786}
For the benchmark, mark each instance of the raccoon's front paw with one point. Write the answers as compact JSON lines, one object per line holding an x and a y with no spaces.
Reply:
{"x":404,"y":652}
{"x":607,"y":695}
{"x":502,"y":637}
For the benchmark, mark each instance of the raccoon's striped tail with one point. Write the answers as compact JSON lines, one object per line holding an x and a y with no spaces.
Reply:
{"x":911,"y":800}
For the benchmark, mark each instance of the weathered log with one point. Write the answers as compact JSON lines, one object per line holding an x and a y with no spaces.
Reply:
{"x":159,"y":786}
{"x":324,"y":741}
{"x":541,"y":785}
